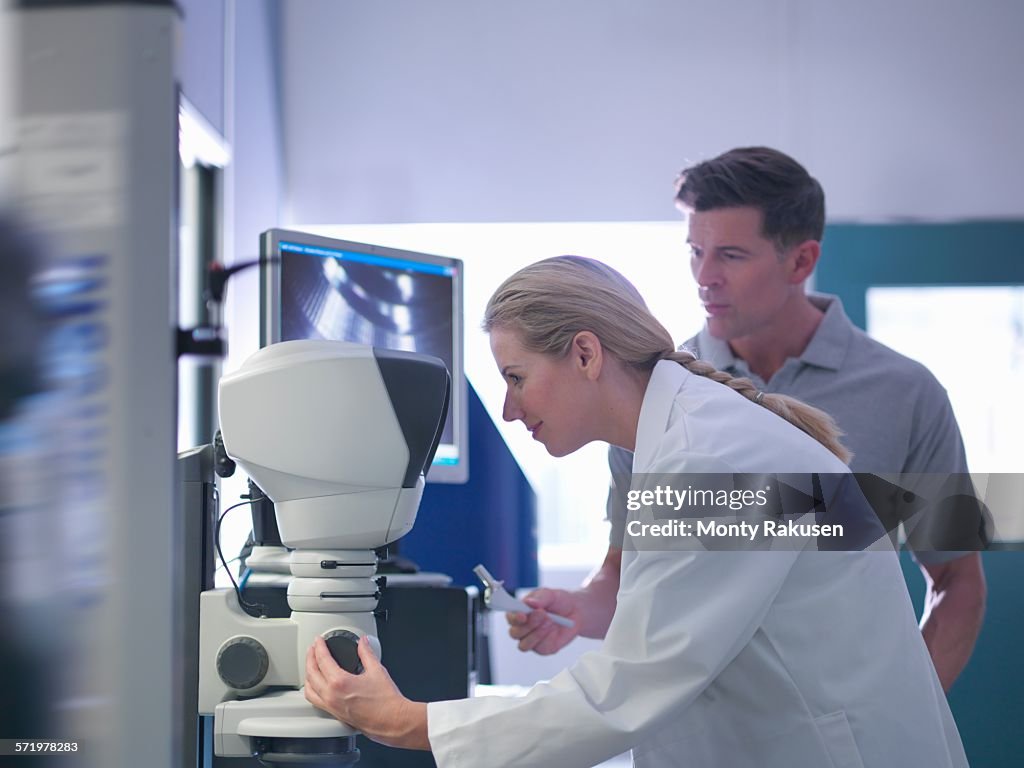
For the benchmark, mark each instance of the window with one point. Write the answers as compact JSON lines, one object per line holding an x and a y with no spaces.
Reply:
{"x":975,"y":348}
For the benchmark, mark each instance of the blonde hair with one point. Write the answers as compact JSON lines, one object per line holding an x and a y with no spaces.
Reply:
{"x":549,"y":302}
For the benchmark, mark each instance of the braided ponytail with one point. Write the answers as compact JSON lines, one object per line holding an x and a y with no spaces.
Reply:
{"x":549,"y":302}
{"x":807,"y":418}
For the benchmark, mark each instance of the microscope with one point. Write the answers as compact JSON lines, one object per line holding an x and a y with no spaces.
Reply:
{"x":339,"y":437}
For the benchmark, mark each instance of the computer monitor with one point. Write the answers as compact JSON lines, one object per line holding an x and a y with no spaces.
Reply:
{"x":316,"y":287}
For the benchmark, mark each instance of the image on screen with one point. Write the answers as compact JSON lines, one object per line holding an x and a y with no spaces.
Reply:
{"x":337,"y":290}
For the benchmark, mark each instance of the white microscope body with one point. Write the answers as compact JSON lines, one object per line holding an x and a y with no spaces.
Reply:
{"x":339,"y":437}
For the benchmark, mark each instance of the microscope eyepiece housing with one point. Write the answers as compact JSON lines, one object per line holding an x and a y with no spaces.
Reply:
{"x":338,"y":436}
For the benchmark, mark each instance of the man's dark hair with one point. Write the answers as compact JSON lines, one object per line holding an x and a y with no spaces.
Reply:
{"x":791,"y":200}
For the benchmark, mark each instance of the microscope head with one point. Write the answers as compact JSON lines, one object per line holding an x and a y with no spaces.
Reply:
{"x":338,"y":435}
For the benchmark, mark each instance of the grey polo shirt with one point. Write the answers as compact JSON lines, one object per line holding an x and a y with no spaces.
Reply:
{"x":896,"y":416}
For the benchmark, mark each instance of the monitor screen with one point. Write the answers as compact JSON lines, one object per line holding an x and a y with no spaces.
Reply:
{"x":316,"y":287}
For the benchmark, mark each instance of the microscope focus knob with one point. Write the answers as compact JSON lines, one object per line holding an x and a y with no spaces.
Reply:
{"x":343,"y":646}
{"x":242,"y":662}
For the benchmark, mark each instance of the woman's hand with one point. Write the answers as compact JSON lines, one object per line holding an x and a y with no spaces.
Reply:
{"x":590,"y":609}
{"x":535,"y":631}
{"x":370,"y":702}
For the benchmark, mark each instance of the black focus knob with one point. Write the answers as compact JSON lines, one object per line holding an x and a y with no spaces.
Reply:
{"x":343,"y":646}
{"x":223,"y":464}
{"x":242,"y":662}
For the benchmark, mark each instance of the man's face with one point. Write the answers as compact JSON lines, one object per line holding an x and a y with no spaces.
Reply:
{"x":742,"y":281}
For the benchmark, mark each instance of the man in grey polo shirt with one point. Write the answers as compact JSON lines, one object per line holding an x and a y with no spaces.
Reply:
{"x":756,"y":223}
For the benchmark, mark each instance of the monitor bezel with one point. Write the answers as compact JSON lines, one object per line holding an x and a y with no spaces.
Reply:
{"x":270,"y":323}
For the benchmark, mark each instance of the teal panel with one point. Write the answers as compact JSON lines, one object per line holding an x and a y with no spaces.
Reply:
{"x":988,"y":698}
{"x":857,"y":256}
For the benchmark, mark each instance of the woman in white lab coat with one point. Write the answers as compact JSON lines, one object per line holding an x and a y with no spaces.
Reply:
{"x":780,"y":656}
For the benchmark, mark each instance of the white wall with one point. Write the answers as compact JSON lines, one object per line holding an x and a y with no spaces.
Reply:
{"x":254,"y":178}
{"x":202,"y":58}
{"x":403,"y":111}
{"x":916,"y":107}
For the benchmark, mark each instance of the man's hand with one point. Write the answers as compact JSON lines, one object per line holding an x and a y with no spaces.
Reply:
{"x":370,"y":702}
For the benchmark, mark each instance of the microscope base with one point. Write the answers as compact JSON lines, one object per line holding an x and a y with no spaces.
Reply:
{"x":277,"y":716}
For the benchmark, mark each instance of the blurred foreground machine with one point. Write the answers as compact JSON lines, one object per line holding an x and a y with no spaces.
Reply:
{"x":338,"y":436}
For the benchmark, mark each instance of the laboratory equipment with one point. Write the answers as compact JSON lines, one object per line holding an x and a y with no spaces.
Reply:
{"x":338,"y":436}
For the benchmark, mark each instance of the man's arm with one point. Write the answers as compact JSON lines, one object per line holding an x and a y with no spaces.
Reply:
{"x":953,"y":612}
{"x":954,"y":605}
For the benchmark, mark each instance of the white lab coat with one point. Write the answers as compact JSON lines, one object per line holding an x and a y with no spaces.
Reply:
{"x":752,"y":658}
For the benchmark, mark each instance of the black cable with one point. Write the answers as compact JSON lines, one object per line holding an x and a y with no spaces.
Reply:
{"x":235,"y":559}
{"x":217,"y":275}
{"x":242,"y":602}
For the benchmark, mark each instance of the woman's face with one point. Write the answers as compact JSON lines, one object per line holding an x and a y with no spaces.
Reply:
{"x":549,"y":395}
